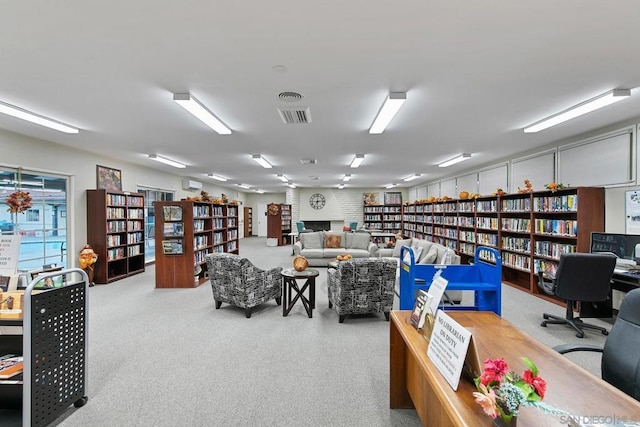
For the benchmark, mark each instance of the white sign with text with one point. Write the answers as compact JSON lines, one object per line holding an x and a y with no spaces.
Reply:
{"x":436,"y":290}
{"x":9,"y":251}
{"x":448,"y":347}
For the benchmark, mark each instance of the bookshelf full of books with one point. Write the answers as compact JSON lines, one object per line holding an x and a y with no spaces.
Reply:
{"x":186,"y":231}
{"x":115,"y":231}
{"x":531,"y":230}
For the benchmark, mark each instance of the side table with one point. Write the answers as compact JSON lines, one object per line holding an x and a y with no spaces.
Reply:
{"x":290,"y":289}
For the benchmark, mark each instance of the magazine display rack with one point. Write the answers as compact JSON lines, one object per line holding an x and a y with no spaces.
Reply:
{"x":54,"y":347}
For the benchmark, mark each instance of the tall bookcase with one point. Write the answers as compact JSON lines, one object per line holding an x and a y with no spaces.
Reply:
{"x":248,"y":222}
{"x":186,"y":231}
{"x":384,"y":218}
{"x":531,"y":230}
{"x":279,"y":223}
{"x":372,"y":217}
{"x":115,"y":231}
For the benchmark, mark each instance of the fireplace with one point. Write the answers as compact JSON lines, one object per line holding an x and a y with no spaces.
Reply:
{"x":318,"y":225}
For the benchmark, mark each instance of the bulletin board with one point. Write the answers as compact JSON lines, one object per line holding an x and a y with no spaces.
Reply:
{"x":632,"y":212}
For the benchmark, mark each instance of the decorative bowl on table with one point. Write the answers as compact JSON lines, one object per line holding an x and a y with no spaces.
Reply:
{"x":344,"y":257}
{"x":300,"y":263}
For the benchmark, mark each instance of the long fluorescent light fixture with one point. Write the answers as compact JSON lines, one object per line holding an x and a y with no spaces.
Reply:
{"x":346,"y":177}
{"x":23,"y":114}
{"x":357,"y":160}
{"x":462,"y":157}
{"x":388,"y":111}
{"x":217,"y":177}
{"x":261,"y":161}
{"x":390,"y":185}
{"x":412,"y":177}
{"x":291,"y":185}
{"x":245,"y":186}
{"x":259,"y":191}
{"x":167,"y":161}
{"x":588,"y":106}
{"x":340,"y":186}
{"x":283,"y":178}
{"x":192,"y":105}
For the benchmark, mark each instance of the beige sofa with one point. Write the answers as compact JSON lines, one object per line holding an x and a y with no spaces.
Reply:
{"x":431,"y":252}
{"x":321,"y":247}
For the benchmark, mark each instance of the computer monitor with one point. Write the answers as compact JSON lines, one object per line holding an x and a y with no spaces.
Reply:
{"x":624,"y":246}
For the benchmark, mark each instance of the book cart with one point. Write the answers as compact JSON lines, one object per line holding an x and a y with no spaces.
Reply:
{"x":53,"y":342}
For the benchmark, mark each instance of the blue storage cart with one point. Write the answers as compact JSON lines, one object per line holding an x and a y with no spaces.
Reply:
{"x":484,"y":277}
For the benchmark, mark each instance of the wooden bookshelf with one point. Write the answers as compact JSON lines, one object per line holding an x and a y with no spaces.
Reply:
{"x":115,"y":231}
{"x":248,"y":222}
{"x":531,"y":230}
{"x":279,"y":223}
{"x":186,"y":231}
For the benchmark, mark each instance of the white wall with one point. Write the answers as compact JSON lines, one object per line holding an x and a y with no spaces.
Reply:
{"x":342,"y":206}
{"x":38,"y":155}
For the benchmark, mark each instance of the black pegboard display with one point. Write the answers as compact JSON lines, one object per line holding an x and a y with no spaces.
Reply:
{"x":58,"y":351}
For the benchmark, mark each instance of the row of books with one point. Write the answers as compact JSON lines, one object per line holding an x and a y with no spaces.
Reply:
{"x":10,"y":366}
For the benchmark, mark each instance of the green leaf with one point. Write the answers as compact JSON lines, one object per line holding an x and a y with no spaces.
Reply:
{"x":532,"y":367}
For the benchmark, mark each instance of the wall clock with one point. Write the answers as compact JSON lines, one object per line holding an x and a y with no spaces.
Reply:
{"x":317,"y":201}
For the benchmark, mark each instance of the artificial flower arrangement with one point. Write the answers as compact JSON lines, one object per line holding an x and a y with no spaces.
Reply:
{"x":502,"y":392}
{"x":555,"y":186}
{"x":19,"y":202}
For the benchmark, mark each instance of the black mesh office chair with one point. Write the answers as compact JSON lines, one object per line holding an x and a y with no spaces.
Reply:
{"x":621,"y":353}
{"x":580,"y":277}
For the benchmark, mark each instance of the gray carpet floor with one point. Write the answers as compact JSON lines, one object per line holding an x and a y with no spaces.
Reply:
{"x":167,"y":357}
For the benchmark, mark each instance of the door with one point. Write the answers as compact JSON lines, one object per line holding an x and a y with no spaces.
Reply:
{"x":262,"y":219}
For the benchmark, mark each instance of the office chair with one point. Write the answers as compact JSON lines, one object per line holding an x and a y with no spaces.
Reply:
{"x":580,"y":277}
{"x":621,"y":353}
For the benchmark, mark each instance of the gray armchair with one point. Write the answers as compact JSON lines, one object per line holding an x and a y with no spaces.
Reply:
{"x":235,"y":280}
{"x":362,"y":285}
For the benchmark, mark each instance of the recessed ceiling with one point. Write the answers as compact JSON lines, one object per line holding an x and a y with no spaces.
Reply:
{"x":475,"y":74}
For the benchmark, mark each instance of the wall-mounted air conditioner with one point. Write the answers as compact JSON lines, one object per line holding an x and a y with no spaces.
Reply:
{"x":190,"y":185}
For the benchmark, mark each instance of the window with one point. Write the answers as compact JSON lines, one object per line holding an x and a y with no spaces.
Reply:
{"x":43,"y":228}
{"x":152,"y":195}
{"x":33,"y":215}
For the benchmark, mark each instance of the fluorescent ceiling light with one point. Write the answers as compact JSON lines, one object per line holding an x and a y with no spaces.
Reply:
{"x":259,"y":191}
{"x":390,"y":185}
{"x":457,"y":159}
{"x":346,"y":177}
{"x":389,"y":109}
{"x":340,"y":186}
{"x":167,"y":161}
{"x":192,"y":105}
{"x":217,"y":177}
{"x":261,"y":161}
{"x":283,"y":178}
{"x":592,"y":104}
{"x":245,"y":186}
{"x":20,"y":113}
{"x":359,"y":158}
{"x":412,"y":177}
{"x":291,"y":185}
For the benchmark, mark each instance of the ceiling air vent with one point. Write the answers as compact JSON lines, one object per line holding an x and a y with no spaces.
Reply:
{"x":290,"y":96}
{"x":309,"y":161}
{"x":292,"y":116}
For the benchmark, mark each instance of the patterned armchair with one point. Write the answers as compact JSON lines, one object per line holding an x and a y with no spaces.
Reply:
{"x":235,"y":280}
{"x":362,"y":285}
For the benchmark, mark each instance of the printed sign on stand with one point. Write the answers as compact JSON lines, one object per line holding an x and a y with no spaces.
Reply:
{"x":448,"y":347}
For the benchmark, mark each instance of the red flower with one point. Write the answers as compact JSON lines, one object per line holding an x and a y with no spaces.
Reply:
{"x":494,"y":370}
{"x":538,"y":383}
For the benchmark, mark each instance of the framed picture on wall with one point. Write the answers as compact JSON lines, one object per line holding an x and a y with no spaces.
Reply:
{"x":108,"y":178}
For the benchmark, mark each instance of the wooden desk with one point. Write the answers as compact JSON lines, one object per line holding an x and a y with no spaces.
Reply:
{"x":416,"y":383}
